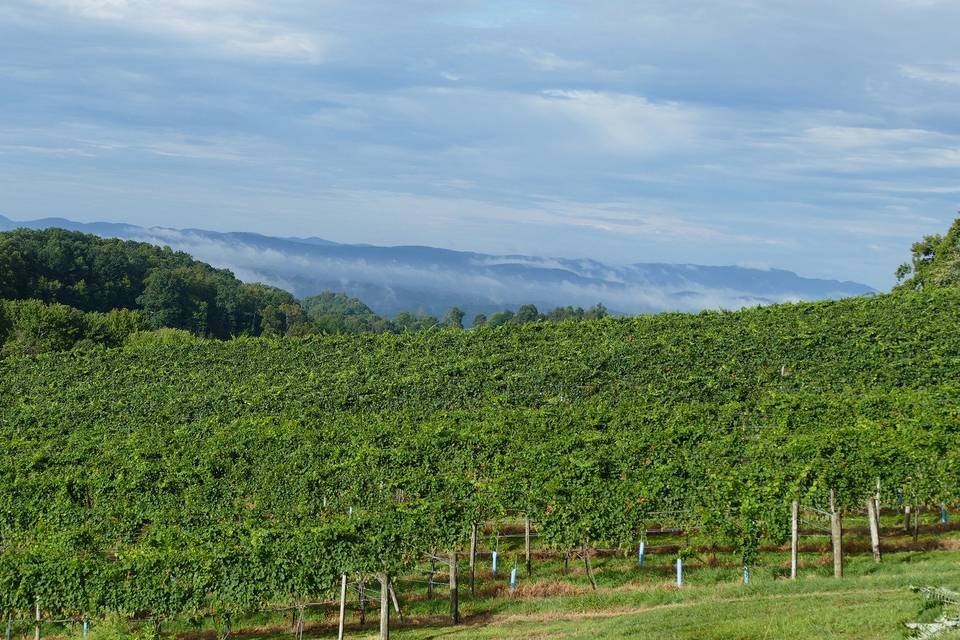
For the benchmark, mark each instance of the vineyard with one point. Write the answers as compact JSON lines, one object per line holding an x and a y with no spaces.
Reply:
{"x":215,"y":479}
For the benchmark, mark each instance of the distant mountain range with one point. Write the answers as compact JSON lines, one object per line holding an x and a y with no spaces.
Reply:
{"x":430,"y":280}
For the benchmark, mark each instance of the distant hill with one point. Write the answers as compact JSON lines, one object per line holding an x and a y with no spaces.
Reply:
{"x":430,"y":280}
{"x":93,"y":274}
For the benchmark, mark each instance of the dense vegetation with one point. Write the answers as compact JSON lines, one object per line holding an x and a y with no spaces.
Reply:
{"x":199,"y":476}
{"x":93,"y":274}
{"x":69,"y":290}
{"x":935,"y":263}
{"x":179,"y":476}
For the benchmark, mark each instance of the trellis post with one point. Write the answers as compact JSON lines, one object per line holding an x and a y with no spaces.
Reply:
{"x":526,"y":543}
{"x":454,"y":593}
{"x":343,"y":606}
{"x":473,"y":558}
{"x":385,"y":606}
{"x":872,"y":513}
{"x":794,"y":538}
{"x":836,"y":535}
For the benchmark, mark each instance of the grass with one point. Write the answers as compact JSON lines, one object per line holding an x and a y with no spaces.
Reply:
{"x":871,"y":601}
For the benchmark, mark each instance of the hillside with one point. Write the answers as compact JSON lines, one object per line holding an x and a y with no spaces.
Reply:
{"x":429,"y":280}
{"x":185,"y":479}
{"x":889,"y":341}
{"x":94,"y":274}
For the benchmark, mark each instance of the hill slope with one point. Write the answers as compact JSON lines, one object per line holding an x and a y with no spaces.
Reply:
{"x":221,"y":477}
{"x":427,"y":279}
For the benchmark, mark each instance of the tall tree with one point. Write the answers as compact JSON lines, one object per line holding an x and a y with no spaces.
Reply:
{"x":935,"y":262}
{"x":454,"y":318}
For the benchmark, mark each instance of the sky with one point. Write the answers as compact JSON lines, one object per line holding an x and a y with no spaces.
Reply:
{"x":821,"y":137}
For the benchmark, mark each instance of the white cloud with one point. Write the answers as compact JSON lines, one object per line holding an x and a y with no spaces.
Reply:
{"x":942,"y":73}
{"x":622,"y":122}
{"x":548,"y":61}
{"x":232,"y":28}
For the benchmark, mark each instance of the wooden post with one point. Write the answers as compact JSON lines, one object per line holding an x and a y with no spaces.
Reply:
{"x":433,"y":571}
{"x":872,"y":510}
{"x":916,"y":522}
{"x":362,"y":590}
{"x":836,"y":535}
{"x":385,"y":606}
{"x":906,"y":519}
{"x":343,"y":605}
{"x":36,"y":628}
{"x":526,"y":543}
{"x":454,"y":593}
{"x":396,"y":603}
{"x":794,"y":539}
{"x":473,"y":558}
{"x":588,"y":567}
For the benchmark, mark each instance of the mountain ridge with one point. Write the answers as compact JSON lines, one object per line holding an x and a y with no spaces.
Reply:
{"x":429,"y":279}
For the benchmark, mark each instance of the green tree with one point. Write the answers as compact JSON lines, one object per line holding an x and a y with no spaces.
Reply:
{"x":526,"y":313}
{"x":935,"y":262}
{"x":500,"y":318}
{"x":39,"y":328}
{"x":453,"y":318}
{"x":412,"y":323}
{"x":114,"y":327}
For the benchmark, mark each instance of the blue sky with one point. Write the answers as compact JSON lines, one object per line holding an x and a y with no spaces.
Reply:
{"x":822,"y":137}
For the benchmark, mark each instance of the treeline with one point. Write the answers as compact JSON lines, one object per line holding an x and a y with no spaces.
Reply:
{"x":170,"y":288}
{"x":67,"y":290}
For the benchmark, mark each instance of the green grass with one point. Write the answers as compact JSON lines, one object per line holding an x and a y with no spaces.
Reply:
{"x":872,"y":601}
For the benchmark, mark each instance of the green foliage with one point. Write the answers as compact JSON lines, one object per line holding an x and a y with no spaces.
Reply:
{"x":500,"y":318}
{"x":256,"y":471}
{"x":91,"y":274}
{"x":407,"y":322}
{"x":39,"y":328}
{"x":180,"y":476}
{"x":453,"y":318}
{"x":160,"y":337}
{"x":5,"y":322}
{"x":935,"y":263}
{"x":337,"y":313}
{"x":33,"y":327}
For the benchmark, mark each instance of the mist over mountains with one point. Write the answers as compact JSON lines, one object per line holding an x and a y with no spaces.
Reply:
{"x":430,"y":280}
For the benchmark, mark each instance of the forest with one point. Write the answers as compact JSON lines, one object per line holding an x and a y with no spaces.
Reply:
{"x":62,"y":290}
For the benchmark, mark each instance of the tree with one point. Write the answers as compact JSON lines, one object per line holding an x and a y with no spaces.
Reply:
{"x":39,"y":328}
{"x":409,"y":322}
{"x":935,"y":262}
{"x":336,"y":313}
{"x":454,"y":318}
{"x":596,"y":312}
{"x":526,"y":313}
{"x":177,"y":298}
{"x":91,"y":273}
{"x":499,"y":318}
{"x":480,"y":319}
{"x":113,"y":328}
